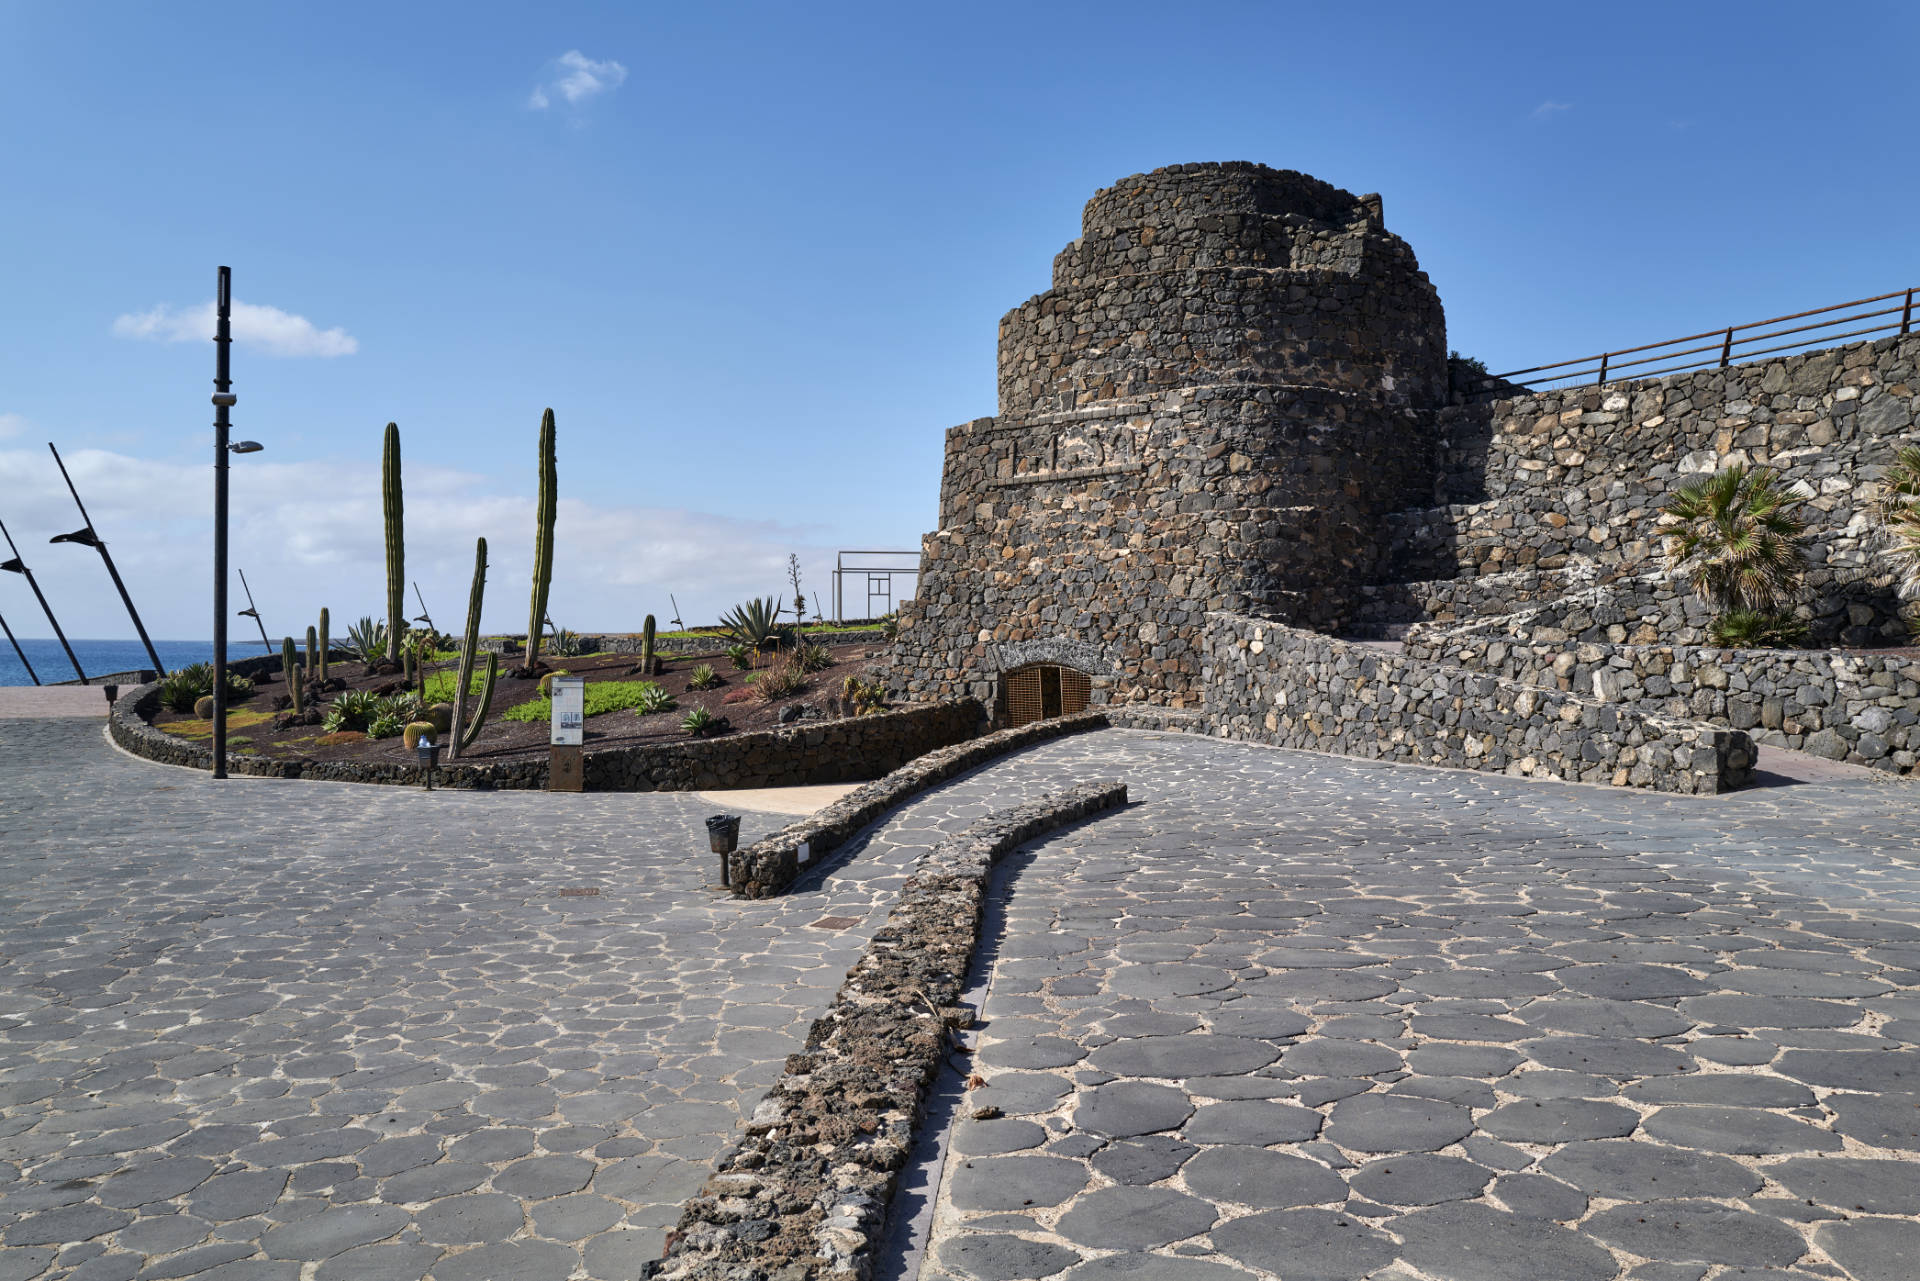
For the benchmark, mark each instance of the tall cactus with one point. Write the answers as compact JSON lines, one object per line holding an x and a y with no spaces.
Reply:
{"x":406,"y":665}
{"x":323,"y":644}
{"x":396,"y":542}
{"x":313,"y":653}
{"x":290,"y":668}
{"x":649,"y":666}
{"x":464,"y":734}
{"x":543,"y":513}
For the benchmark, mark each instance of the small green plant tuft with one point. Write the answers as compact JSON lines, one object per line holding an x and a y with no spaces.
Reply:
{"x":782,"y":680}
{"x":386,"y":725}
{"x":1758,"y":629}
{"x":703,"y":677}
{"x":741,"y":656}
{"x":813,"y":658}
{"x":697,"y":722}
{"x":864,"y":698}
{"x":653,"y":700}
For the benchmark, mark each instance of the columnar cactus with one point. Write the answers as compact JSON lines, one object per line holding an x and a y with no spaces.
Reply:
{"x":323,"y":644}
{"x":313,"y":653}
{"x":543,"y":512}
{"x":290,"y":668}
{"x":396,"y":542}
{"x":648,"y":664}
{"x":406,"y":665}
{"x":463,"y":734}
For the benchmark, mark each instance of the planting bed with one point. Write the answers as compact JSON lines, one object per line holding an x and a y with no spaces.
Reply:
{"x":251,"y":723}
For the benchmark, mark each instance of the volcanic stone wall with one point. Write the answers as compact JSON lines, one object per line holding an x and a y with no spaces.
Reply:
{"x":1228,"y":386}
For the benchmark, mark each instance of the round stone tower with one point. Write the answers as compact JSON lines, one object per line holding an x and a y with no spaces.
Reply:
{"x":1232,"y":377}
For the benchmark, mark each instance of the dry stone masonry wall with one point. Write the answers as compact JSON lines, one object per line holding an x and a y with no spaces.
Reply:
{"x":1291,"y":688}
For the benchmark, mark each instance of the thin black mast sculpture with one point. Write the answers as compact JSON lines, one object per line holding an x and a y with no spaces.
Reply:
{"x":253,"y":611}
{"x":21,"y":652}
{"x":17,"y":566}
{"x":86,"y":537}
{"x":424,"y":616}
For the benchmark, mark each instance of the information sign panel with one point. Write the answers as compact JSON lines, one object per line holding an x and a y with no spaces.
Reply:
{"x":569,"y":710}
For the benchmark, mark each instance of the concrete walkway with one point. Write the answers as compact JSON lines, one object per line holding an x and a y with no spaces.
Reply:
{"x":35,"y":702}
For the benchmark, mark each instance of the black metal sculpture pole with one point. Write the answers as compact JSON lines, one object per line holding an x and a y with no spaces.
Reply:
{"x":89,"y":537}
{"x":222,"y":401}
{"x":16,"y":566}
{"x":21,"y":652}
{"x":253,"y":611}
{"x":424,"y":616}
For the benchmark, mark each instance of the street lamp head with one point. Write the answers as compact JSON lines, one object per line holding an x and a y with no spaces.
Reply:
{"x":246,"y":446}
{"x":85,"y":537}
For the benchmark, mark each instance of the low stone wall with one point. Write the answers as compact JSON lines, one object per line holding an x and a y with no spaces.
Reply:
{"x":804,"y":1195}
{"x":769,"y":866}
{"x":1858,"y":707}
{"x":1274,"y":684}
{"x":844,"y":751}
{"x":701,"y":645}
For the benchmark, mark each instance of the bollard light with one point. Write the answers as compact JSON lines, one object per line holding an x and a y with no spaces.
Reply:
{"x":723,"y":834}
{"x":112,"y":692}
{"x":429,"y":753}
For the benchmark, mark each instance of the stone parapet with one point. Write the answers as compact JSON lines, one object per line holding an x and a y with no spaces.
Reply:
{"x":803,"y":1196}
{"x":1279,"y":685}
{"x":1858,"y":707}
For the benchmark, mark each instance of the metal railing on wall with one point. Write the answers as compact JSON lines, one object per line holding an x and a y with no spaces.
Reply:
{"x":1735,"y":344}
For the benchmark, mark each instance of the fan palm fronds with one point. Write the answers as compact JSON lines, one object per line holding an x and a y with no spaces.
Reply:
{"x":1738,"y":538}
{"x":1900,"y":514}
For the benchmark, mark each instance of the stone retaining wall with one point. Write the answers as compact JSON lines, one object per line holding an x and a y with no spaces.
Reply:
{"x":1858,"y":707}
{"x":1275,"y":684}
{"x":697,"y":646}
{"x":844,"y":751}
{"x":804,"y":1195}
{"x":769,"y":866}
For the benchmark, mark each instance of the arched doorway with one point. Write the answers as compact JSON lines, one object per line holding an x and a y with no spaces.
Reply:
{"x":1041,"y":691}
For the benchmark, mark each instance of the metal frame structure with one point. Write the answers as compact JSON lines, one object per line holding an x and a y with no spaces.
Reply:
{"x":18,"y":566}
{"x":1724,"y":346}
{"x":87,"y":536}
{"x":879,"y":581}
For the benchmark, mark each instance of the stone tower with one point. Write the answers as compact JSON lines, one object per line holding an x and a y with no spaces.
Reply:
{"x":1231,"y":380}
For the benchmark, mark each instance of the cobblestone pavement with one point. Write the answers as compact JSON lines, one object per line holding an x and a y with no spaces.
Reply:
{"x":1300,"y":1017}
{"x":265,"y":1030}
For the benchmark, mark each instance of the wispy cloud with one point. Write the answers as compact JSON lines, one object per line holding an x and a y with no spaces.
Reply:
{"x":575,"y":78}
{"x":309,"y":534}
{"x":275,"y":332}
{"x":1550,"y":108}
{"x":12,"y":425}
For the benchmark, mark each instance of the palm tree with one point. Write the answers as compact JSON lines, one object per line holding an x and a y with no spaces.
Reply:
{"x":1900,"y":513}
{"x":1738,"y":537}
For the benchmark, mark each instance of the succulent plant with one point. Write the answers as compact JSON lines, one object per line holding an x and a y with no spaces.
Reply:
{"x":697,"y":722}
{"x":180,"y":689}
{"x":703,"y":677}
{"x":203,"y":707}
{"x":652,"y":700}
{"x":741,"y":656}
{"x":367,"y":640}
{"x":545,"y":507}
{"x":313,"y":653}
{"x":290,"y":669}
{"x":386,"y":725}
{"x":396,"y":542}
{"x":546,"y":683}
{"x":755,"y":623}
{"x":813,"y":658}
{"x":323,"y":644}
{"x":440,"y":716}
{"x":649,"y":664}
{"x":413,"y":731}
{"x":461,"y":736}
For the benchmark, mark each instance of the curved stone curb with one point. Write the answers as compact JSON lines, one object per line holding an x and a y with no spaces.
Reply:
{"x":840,"y":751}
{"x":804,"y":1196}
{"x":769,"y":866}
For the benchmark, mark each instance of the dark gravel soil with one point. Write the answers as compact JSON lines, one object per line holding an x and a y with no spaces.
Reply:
{"x":504,"y":740}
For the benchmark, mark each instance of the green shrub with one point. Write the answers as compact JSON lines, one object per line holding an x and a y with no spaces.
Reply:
{"x":697,"y":722}
{"x":783,"y":680}
{"x":703,"y":677}
{"x":180,"y":690}
{"x":1757,"y":629}
{"x":742,"y":657}
{"x":440,"y":686}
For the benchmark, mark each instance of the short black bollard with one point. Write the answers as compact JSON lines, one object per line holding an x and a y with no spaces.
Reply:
{"x":112,"y":692}
{"x":723,"y":834}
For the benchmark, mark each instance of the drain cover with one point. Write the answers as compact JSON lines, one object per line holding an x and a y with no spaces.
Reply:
{"x":581,"y":891}
{"x":835,"y":922}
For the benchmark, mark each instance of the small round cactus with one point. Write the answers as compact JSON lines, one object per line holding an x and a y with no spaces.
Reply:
{"x":546,"y":684}
{"x":417,"y":730}
{"x":203,"y":707}
{"x":440,"y":716}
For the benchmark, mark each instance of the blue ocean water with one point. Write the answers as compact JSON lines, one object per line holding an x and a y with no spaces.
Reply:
{"x":99,"y":657}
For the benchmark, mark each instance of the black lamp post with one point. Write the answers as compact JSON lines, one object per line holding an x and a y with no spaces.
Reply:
{"x":17,"y":566}
{"x":223,"y":400}
{"x":21,"y":652}
{"x":86,"y":537}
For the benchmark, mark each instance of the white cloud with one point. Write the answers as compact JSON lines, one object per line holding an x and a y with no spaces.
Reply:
{"x":576,"y":78}
{"x":12,"y":425}
{"x":311,"y":534}
{"x":1551,"y":108}
{"x":275,"y":332}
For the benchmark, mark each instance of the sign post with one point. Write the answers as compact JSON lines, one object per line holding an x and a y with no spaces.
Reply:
{"x":569,"y":697}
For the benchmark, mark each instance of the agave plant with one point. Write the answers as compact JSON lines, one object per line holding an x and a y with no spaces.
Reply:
{"x":367,"y":640}
{"x":754,"y":624}
{"x":353,"y":710}
{"x":703,"y":677}
{"x":566,"y":644}
{"x":1738,"y":538}
{"x":651,"y":699}
{"x":1900,"y":513}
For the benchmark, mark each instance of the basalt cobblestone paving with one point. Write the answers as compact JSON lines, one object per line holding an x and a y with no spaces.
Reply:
{"x":267,"y":1030}
{"x":1299,"y":1017}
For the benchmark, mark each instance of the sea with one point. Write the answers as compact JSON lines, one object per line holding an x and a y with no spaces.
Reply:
{"x":99,"y":657}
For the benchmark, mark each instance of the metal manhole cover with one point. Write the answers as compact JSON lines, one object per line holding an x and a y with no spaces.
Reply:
{"x":581,"y":891}
{"x":835,"y":922}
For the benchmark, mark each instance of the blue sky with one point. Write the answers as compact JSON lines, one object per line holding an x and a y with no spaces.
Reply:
{"x":754,"y":255}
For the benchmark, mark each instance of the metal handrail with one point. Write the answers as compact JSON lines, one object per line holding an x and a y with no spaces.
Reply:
{"x":1597,"y":368}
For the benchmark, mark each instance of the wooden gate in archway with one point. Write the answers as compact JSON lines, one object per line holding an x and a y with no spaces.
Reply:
{"x":1042,"y":691}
